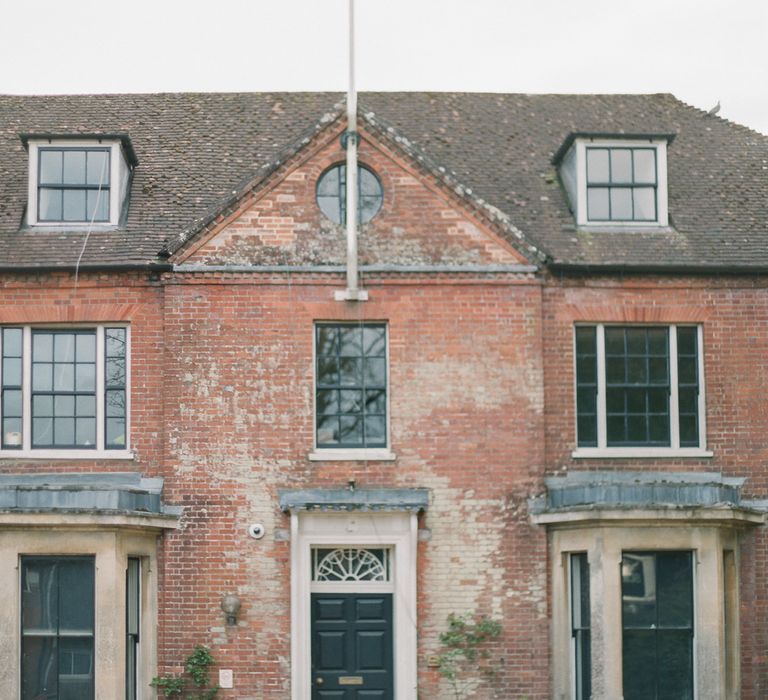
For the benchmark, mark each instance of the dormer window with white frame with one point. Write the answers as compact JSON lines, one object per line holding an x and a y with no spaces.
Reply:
{"x":76,"y":182}
{"x":616,"y":182}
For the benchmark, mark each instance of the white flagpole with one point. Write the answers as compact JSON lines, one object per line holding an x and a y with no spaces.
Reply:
{"x":352,"y":293}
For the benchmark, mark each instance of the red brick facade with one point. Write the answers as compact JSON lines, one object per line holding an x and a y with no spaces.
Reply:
{"x":481,"y":391}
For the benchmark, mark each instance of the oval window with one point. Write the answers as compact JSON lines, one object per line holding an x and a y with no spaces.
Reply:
{"x":332,"y":193}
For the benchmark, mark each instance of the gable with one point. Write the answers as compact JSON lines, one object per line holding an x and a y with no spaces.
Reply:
{"x":420,"y":222}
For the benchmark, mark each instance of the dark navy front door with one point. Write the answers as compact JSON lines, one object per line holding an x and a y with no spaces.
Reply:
{"x":352,"y":646}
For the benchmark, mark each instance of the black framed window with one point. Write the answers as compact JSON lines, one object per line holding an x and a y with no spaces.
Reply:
{"x":12,"y":403}
{"x":73,"y":184}
{"x":622,"y":184}
{"x":351,"y":385}
{"x":638,"y":386}
{"x":132,"y":626}
{"x":57,"y":614}
{"x":332,"y":194}
{"x":63,"y":389}
{"x":657,"y":621}
{"x":581,"y":627}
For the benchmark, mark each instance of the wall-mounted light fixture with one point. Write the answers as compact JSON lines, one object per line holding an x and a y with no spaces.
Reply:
{"x":230,"y":604}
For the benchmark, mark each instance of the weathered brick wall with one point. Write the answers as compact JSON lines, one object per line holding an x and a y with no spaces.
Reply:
{"x":466,"y":422}
{"x":734,"y":317}
{"x":420,"y":222}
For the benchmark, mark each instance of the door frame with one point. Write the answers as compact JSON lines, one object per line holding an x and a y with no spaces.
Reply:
{"x":397,"y":531}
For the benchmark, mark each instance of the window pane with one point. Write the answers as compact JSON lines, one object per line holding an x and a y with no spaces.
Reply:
{"x":74,"y":205}
{"x":40,"y":597}
{"x":687,"y":370}
{"x":374,"y":372}
{"x":115,"y":403}
{"x":586,"y":343}
{"x":12,"y":371}
{"x":86,"y":347}
{"x":351,"y":430}
{"x":621,"y":204}
{"x":350,"y":401}
{"x":76,"y":595}
{"x":64,"y":405}
{"x":674,"y":590}
{"x":115,"y":342}
{"x":12,"y":338}
{"x":675,"y":665}
{"x":327,"y":340}
{"x":621,"y":165}
{"x":331,"y":207}
{"x":351,"y":341}
{"x":614,"y":341}
{"x":597,"y":204}
{"x":644,"y":199}
{"x":85,"y":377}
{"x":114,"y":371}
{"x":64,"y":347}
{"x":597,"y":165}
{"x":42,"y":347}
{"x":42,"y":405}
{"x":86,"y":405}
{"x":639,"y":661}
{"x":85,"y":432}
{"x":645,"y":165}
{"x":98,"y":168}
{"x":115,"y":432}
{"x":42,"y":377}
{"x":42,"y":431}
{"x":50,"y":204}
{"x":328,"y":184}
{"x":374,"y":341}
{"x":327,"y":401}
{"x":327,"y":371}
{"x":375,"y":430}
{"x":75,"y":668}
{"x":350,"y":371}
{"x":50,"y":167}
{"x":64,"y":431}
{"x":63,"y":377}
{"x":74,"y":167}
{"x":375,"y":402}
{"x":98,"y":205}
{"x":39,"y":668}
{"x":586,"y":426}
{"x":327,"y":430}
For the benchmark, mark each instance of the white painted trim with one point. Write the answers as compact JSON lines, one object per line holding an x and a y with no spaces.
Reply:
{"x":662,"y":220}
{"x":650,"y":452}
{"x":381,"y":454}
{"x":398,"y":531}
{"x":116,"y":187}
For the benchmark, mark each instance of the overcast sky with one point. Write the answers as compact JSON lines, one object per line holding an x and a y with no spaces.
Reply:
{"x":700,"y":50}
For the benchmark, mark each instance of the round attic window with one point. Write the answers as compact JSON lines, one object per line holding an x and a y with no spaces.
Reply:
{"x":332,"y":193}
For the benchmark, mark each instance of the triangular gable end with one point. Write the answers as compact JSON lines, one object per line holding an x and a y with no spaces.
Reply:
{"x":424,"y":220}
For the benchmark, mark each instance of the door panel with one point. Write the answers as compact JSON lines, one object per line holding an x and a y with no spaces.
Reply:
{"x":352,"y":649}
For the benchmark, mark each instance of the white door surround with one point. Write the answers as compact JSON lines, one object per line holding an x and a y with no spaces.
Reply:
{"x":396,"y":531}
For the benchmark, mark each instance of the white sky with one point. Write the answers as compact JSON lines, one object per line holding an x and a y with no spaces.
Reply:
{"x":700,"y":50}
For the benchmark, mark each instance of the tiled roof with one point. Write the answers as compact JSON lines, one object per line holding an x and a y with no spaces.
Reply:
{"x":196,"y":150}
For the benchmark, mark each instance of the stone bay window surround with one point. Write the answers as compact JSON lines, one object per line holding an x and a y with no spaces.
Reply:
{"x":79,"y":559}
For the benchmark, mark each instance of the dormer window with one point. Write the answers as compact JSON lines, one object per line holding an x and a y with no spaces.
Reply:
{"x":616,"y":183}
{"x":77,"y":182}
{"x":73,"y":184}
